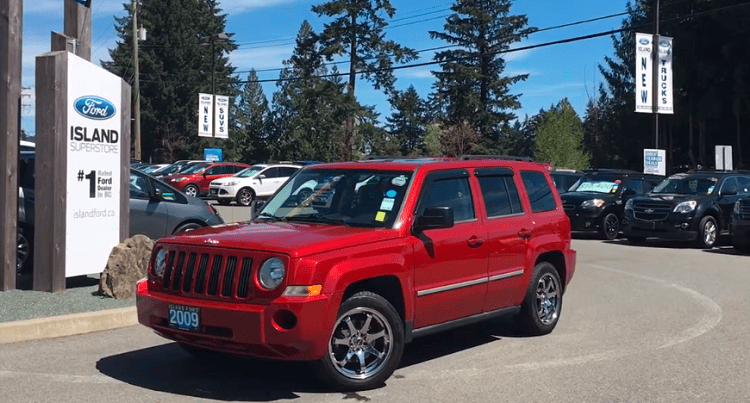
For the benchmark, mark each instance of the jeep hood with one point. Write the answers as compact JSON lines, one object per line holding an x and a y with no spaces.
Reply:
{"x":293,"y":239}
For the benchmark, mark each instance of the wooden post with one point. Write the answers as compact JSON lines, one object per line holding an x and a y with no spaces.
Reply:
{"x":51,"y":160}
{"x":78,"y":26}
{"x":63,"y":42}
{"x":125,"y":162}
{"x":11,"y":26}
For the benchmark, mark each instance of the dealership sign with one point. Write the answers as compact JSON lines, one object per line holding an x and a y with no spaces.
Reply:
{"x":644,"y":71}
{"x":213,"y":116}
{"x":93,"y":167}
{"x":654,"y":162}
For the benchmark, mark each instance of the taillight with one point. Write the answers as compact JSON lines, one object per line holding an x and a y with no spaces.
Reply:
{"x":212,"y":209}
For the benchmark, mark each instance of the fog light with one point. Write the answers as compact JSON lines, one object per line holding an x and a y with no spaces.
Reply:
{"x":684,"y":225}
{"x":284,"y":319}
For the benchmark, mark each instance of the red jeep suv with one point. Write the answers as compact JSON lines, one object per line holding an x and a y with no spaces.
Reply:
{"x":194,"y":180}
{"x":348,"y":262}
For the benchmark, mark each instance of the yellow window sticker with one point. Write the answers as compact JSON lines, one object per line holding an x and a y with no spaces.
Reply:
{"x":380,"y":216}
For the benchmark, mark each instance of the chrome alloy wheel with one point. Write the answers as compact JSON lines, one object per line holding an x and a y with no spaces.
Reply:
{"x":547,"y":299}
{"x":709,"y":233}
{"x":191,"y":190}
{"x":245,"y":197}
{"x":22,"y":254}
{"x":361,"y":343}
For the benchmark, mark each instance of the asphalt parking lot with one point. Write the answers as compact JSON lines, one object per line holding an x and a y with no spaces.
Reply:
{"x":656,"y":323}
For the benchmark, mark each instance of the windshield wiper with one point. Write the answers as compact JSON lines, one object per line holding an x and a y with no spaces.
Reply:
{"x":271,"y":216}
{"x":317,"y":218}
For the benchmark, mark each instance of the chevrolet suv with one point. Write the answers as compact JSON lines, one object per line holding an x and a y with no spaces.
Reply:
{"x":739,"y":227}
{"x":694,"y":206}
{"x":597,"y":200}
{"x":379,"y":253}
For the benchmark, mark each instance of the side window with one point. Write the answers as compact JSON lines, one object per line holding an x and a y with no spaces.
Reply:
{"x":499,"y":193}
{"x":168,"y":194}
{"x":271,"y":173}
{"x":540,"y":194}
{"x":287,"y":171}
{"x":449,"y":189}
{"x":729,"y":183}
{"x":637,"y":185}
{"x":139,"y":187}
{"x":743,"y":185}
{"x":233,"y":169}
{"x":214,"y":170}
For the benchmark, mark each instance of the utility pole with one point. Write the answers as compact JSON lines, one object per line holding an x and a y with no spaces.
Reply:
{"x":11,"y":25}
{"x":655,"y":80}
{"x":136,"y":85}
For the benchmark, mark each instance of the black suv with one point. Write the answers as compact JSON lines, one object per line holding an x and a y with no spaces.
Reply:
{"x":739,"y":227}
{"x":596,"y":201}
{"x":564,"y":178}
{"x":694,"y":206}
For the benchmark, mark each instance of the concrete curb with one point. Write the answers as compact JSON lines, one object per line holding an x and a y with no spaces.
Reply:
{"x":67,"y":325}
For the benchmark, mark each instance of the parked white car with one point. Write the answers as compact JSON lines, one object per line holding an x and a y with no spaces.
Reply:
{"x":260,"y":180}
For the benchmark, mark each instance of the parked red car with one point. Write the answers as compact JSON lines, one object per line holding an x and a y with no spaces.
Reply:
{"x":194,"y":180}
{"x":374,"y":254}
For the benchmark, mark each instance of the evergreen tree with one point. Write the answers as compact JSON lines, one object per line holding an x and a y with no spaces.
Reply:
{"x":407,"y":123}
{"x":308,"y":110}
{"x":174,"y":68}
{"x":471,"y":83}
{"x":251,"y":119}
{"x":357,"y":31}
{"x":560,"y":138}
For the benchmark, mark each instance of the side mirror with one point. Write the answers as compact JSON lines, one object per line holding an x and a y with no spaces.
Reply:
{"x":730,"y":191}
{"x":257,"y":206}
{"x":158,"y":196}
{"x":434,"y":218}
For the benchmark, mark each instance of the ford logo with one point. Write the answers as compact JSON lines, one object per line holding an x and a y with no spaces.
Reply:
{"x":93,"y":107}
{"x":644,"y":41}
{"x":665,"y":44}
{"x":205,"y":98}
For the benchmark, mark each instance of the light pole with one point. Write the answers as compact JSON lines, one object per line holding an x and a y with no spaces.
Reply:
{"x":205,"y":41}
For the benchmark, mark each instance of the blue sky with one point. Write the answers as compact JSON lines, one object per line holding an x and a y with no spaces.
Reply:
{"x":567,"y":70}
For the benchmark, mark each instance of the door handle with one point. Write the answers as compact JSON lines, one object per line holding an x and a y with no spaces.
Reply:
{"x":524,"y":233}
{"x":475,"y":242}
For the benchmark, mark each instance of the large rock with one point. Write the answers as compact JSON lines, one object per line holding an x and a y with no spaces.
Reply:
{"x":127,"y":264}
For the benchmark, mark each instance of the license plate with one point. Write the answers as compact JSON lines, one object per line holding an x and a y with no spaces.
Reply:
{"x":184,"y":317}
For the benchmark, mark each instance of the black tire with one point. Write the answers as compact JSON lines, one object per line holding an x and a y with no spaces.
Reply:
{"x":636,"y":239}
{"x":24,"y":252}
{"x":610,"y":226}
{"x":542,"y":305}
{"x":224,"y":202}
{"x":187,"y":227}
{"x":192,"y":190}
{"x":708,"y":233}
{"x":245,"y":197}
{"x":349,"y":344}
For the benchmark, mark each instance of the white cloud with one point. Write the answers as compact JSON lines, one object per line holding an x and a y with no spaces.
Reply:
{"x":260,"y":58}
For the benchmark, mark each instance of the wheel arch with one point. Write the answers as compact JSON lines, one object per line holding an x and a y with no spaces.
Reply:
{"x":387,"y":286}
{"x":188,"y":221}
{"x":557,"y":260}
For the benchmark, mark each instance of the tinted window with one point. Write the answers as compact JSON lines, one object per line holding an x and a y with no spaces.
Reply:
{"x":729,"y":183}
{"x":637,"y":185}
{"x":453,"y":192}
{"x":168,"y":193}
{"x":743,"y":187}
{"x":138,"y":187}
{"x":271,"y":173}
{"x":540,"y":194}
{"x":287,"y":171}
{"x":500,"y":195}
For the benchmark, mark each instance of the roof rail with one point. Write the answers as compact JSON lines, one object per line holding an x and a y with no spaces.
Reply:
{"x":394,"y":157}
{"x":466,"y":157}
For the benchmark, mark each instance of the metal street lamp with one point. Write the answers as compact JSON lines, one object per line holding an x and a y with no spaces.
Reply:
{"x":205,"y":41}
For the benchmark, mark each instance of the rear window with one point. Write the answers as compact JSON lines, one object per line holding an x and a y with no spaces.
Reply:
{"x":540,"y":194}
{"x":500,"y":196}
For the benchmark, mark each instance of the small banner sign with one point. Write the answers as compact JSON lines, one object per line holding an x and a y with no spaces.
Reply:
{"x":221,"y":117}
{"x":205,"y":115}
{"x":666,"y":103}
{"x":654,"y":162}
{"x":643,"y":73}
{"x":724,"y":158}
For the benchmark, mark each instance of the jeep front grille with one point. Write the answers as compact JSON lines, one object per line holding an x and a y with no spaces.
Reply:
{"x":209,"y":274}
{"x":745,"y":210}
{"x":651,"y":210}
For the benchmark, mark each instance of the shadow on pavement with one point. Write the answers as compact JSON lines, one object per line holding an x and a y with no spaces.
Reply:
{"x":168,"y":368}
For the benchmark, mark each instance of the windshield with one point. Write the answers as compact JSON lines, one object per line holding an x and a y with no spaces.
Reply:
{"x":363,"y":198}
{"x":596,"y":184}
{"x":249,"y":172}
{"x":194,"y":169}
{"x":687,"y":185}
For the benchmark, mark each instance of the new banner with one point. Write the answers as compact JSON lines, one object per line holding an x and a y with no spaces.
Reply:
{"x":205,"y":115}
{"x":222,"y":117}
{"x":665,"y":104}
{"x":643,"y":73}
{"x":93,"y":174}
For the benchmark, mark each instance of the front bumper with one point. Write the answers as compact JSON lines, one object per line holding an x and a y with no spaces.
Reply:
{"x":222,"y":192}
{"x":740,"y":233}
{"x":243,"y":328}
{"x":676,"y":226}
{"x":585,"y":219}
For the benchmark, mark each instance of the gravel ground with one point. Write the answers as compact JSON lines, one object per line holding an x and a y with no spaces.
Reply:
{"x":79,"y":296}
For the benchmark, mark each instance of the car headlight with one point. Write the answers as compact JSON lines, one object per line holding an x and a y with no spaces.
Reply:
{"x":629,"y":204}
{"x":737,"y":207}
{"x":181,"y":179}
{"x":160,"y":262}
{"x":686,"y":206}
{"x":271,"y":273}
{"x":593,"y":203}
{"x":232,"y":183}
